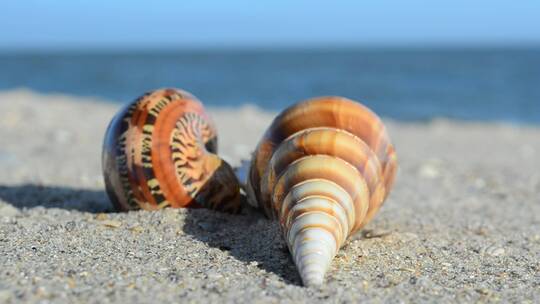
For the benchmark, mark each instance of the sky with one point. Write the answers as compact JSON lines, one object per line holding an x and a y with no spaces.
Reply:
{"x":136,"y":24}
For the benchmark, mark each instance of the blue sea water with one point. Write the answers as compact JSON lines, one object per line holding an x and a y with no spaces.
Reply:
{"x":406,"y":84}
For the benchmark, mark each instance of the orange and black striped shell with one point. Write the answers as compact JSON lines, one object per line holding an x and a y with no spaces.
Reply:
{"x":322,"y":169}
{"x":160,"y":150}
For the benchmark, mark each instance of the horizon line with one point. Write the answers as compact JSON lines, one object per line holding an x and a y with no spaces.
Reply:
{"x":272,"y":48}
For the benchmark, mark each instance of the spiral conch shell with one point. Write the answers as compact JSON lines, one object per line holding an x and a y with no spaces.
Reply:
{"x":160,"y":151}
{"x":322,"y":169}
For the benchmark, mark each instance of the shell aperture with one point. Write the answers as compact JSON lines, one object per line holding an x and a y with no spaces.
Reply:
{"x":160,"y":150}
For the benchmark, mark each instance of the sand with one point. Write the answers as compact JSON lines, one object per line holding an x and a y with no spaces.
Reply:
{"x":461,"y":225}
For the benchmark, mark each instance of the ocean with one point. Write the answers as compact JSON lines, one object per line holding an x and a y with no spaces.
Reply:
{"x":404,"y":84}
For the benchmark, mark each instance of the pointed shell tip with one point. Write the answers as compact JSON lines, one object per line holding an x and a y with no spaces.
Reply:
{"x":313,"y":279}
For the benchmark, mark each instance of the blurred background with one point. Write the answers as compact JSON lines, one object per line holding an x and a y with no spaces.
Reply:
{"x":408,"y":60}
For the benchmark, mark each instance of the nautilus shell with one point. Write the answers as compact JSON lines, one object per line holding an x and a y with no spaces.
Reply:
{"x":160,"y":151}
{"x":322,"y":169}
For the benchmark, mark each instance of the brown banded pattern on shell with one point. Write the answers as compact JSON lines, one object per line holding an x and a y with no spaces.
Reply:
{"x":323,"y":169}
{"x":160,"y":151}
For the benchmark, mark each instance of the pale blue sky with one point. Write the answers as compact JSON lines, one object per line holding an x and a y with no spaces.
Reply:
{"x":124,"y":24}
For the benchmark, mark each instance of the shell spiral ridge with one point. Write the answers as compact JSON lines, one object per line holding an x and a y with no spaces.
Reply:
{"x":323,"y":169}
{"x":160,"y":150}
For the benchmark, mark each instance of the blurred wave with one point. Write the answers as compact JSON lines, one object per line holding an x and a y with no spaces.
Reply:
{"x":406,"y":84}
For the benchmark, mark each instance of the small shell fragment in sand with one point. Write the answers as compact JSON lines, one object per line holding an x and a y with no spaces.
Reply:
{"x":111,"y":223}
{"x":494,"y":250}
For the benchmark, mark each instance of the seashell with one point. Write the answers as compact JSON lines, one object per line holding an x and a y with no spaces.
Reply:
{"x":160,"y":150}
{"x":322,"y":169}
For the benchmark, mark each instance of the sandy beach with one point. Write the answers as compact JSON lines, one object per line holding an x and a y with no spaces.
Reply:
{"x":462,"y":223}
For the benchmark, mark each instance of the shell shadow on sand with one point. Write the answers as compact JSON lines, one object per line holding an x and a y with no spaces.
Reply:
{"x":37,"y":195}
{"x":248,"y":237}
